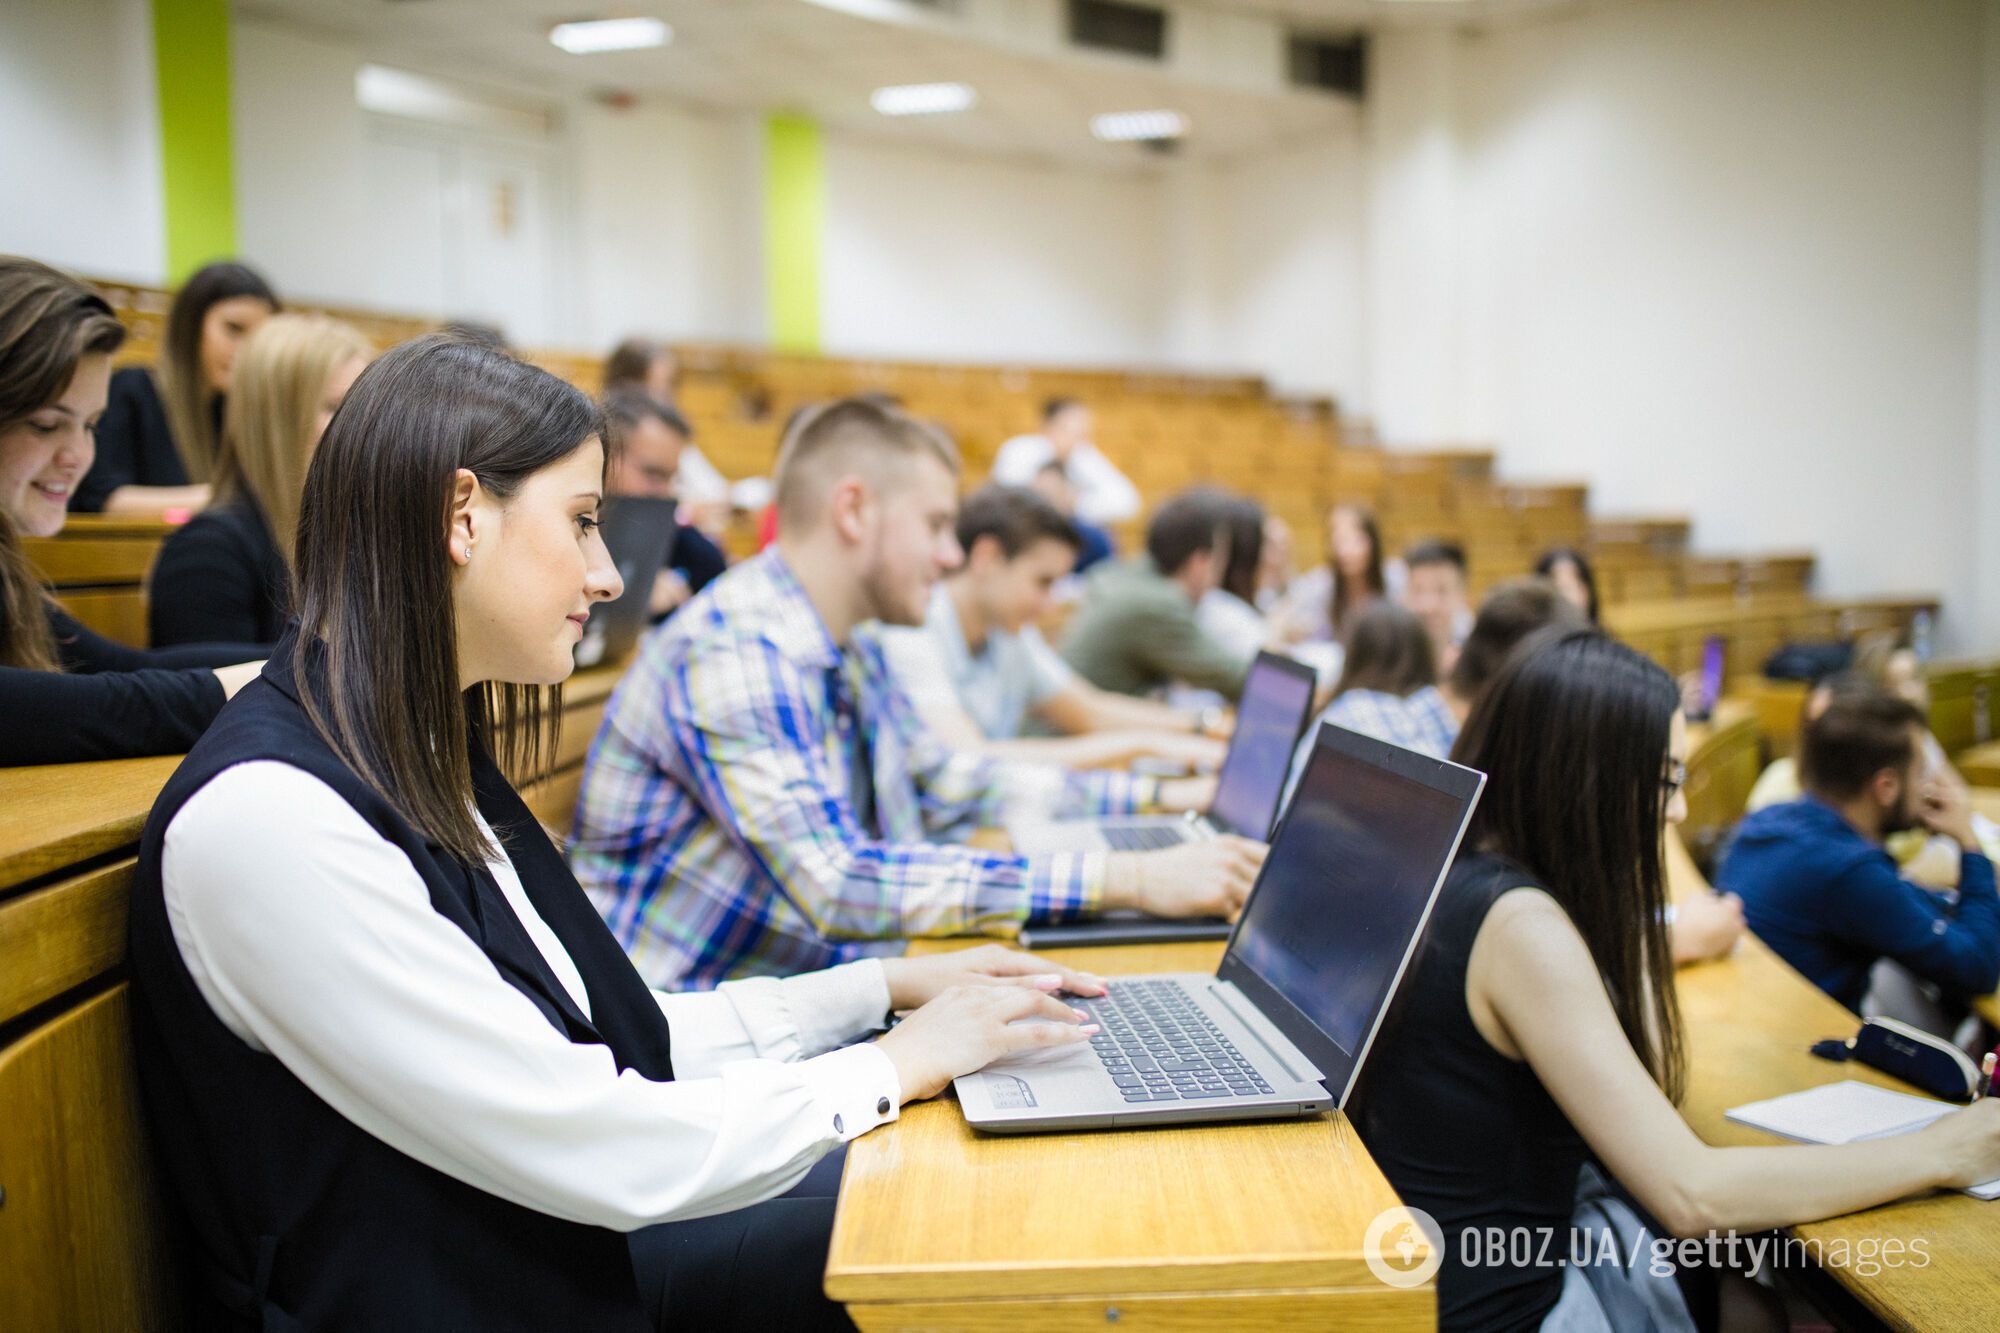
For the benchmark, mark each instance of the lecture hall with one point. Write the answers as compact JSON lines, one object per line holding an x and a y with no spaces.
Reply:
{"x":922,"y":665}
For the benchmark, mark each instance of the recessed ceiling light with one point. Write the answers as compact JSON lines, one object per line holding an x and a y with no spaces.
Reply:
{"x":922,"y":99}
{"x":1124,"y":126}
{"x":595,"y":35}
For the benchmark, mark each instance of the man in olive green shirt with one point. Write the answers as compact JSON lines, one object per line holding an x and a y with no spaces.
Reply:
{"x":1136,"y":630}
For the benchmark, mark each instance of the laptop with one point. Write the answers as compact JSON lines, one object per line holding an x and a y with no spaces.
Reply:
{"x":1714,"y":658}
{"x":1283,"y":1026}
{"x":1277,"y":700}
{"x":639,"y":534}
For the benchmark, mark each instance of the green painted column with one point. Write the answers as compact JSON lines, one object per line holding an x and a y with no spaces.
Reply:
{"x":191,"y":66}
{"x":794,"y":221}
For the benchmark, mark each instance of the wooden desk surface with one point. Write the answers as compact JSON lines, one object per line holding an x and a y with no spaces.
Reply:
{"x":1751,"y":1021}
{"x":1217,"y":1226}
{"x":58,"y":815}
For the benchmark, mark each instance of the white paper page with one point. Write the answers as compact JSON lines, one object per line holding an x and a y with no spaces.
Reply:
{"x":1848,"y":1112}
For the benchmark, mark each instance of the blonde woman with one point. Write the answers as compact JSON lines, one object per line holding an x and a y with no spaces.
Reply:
{"x":226,"y":576}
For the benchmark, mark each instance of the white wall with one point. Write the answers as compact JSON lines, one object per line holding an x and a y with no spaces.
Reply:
{"x":80,"y":138}
{"x":1987,"y":494}
{"x":301,"y":166}
{"x":1264,"y":269}
{"x":669,"y":223}
{"x":962,"y":258}
{"x":1716,"y":256}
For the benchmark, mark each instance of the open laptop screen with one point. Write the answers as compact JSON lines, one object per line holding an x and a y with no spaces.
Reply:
{"x":1276,"y":698}
{"x":1346,"y":890}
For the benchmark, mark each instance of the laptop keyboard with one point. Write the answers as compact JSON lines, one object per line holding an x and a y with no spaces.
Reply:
{"x":1142,"y":837}
{"x":1158,"y":1046}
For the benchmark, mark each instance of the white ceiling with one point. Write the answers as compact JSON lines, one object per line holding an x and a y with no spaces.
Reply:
{"x":769,"y":55}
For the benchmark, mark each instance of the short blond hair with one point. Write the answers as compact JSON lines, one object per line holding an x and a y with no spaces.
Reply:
{"x":849,"y":436}
{"x":274,"y":394}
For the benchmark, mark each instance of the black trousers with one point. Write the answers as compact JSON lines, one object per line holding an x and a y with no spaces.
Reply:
{"x":756,"y":1269}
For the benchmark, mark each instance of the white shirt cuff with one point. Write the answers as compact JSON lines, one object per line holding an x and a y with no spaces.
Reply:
{"x":832,"y":1007}
{"x":854,"y":1089}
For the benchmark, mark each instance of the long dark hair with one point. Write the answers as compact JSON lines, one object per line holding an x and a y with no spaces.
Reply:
{"x":374,"y":582}
{"x":1388,"y":649}
{"x":1557,"y":555}
{"x":48,"y":323}
{"x":1572,"y":735}
{"x":1345,"y":595}
{"x":1244,"y":518}
{"x":186,"y":396}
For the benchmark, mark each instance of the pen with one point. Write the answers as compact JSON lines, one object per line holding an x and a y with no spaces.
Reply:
{"x":1985,"y":1077}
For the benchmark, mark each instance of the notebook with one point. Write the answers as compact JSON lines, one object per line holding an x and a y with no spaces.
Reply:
{"x":1848,"y":1112}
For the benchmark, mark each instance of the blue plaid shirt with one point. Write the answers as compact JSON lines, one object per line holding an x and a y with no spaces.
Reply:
{"x":758,"y":801}
{"x":1423,"y":722}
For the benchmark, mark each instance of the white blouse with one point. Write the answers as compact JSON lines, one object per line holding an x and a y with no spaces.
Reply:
{"x":313,"y":939}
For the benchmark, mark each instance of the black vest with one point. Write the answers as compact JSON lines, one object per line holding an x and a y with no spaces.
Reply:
{"x":297,"y":1218}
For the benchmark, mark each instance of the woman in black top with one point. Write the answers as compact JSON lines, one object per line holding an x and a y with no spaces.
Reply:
{"x":1539,"y":1027}
{"x":157,"y":441}
{"x":226,"y":575}
{"x":65,"y":693}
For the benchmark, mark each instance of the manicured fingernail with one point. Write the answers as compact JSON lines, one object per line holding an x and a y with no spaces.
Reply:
{"x":1081,"y":1013}
{"x":1090,"y":1029}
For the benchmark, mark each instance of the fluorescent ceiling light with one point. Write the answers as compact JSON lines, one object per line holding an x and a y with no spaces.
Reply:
{"x":595,"y":35}
{"x":922,"y":99}
{"x":1124,"y":126}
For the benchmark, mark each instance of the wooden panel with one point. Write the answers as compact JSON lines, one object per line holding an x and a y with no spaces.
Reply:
{"x":1374,"y":1309}
{"x":1722,"y":769}
{"x":81,"y":1240}
{"x":1229,"y":1208}
{"x":76,"y":558}
{"x":119,"y":614}
{"x":553,"y":802}
{"x":58,"y":937}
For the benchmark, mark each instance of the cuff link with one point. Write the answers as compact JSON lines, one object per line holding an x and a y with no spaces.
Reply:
{"x":839,"y":1126}
{"x":882,"y":1107}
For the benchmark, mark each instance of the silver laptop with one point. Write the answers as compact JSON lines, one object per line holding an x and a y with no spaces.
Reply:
{"x":1282,"y":1027}
{"x":1277,"y":700}
{"x":639,"y":534}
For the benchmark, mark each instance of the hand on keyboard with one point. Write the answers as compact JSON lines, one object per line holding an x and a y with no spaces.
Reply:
{"x":1205,"y":877}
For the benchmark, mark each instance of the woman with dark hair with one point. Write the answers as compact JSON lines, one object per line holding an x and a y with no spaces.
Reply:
{"x":1322,"y":600}
{"x":397,"y":1067}
{"x":162,"y":428}
{"x":1569,"y":569}
{"x":1538,"y":1028}
{"x":1228,"y":612}
{"x":66,"y":694}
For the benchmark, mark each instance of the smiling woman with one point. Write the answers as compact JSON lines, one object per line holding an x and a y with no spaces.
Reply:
{"x":67,"y":694}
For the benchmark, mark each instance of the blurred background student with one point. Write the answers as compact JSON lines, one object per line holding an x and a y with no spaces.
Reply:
{"x":227,"y":575}
{"x":162,"y":428}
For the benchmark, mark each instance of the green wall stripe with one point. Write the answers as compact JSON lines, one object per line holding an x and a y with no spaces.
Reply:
{"x":191,"y":66}
{"x":794,"y":220}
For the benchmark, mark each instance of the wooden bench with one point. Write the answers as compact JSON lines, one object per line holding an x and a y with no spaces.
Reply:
{"x":98,"y":568}
{"x":82,"y":1241}
{"x":1724,"y":758}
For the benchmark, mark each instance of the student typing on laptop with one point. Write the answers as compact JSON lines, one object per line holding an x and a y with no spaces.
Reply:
{"x":1532,"y":1035}
{"x":760,"y":797}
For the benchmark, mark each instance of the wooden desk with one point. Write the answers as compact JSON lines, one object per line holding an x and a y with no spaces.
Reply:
{"x":1750,"y":1022}
{"x":1213,"y":1227}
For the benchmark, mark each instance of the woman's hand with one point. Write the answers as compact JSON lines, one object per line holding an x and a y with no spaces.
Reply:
{"x":914,"y":982}
{"x":1970,"y":1141}
{"x":969,"y":1027}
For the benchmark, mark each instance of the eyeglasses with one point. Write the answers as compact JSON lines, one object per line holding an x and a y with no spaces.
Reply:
{"x":1674,"y":778}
